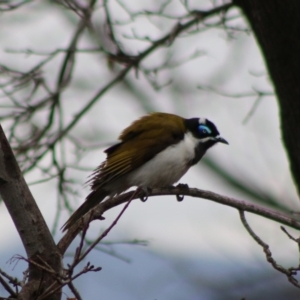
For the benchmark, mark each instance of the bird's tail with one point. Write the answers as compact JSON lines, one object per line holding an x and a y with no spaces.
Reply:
{"x":91,"y":201}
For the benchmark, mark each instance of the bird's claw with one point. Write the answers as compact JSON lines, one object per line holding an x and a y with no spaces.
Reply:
{"x":182,"y":186}
{"x":145,"y":192}
{"x":179,"y":197}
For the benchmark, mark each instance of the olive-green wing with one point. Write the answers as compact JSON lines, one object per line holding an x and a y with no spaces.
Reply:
{"x":139,"y":143}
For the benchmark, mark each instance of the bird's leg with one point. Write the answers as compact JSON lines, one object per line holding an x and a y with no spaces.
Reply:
{"x":145,"y":191}
{"x":182,"y":186}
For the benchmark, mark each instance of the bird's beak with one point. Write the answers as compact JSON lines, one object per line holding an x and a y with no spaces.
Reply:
{"x":221,"y":140}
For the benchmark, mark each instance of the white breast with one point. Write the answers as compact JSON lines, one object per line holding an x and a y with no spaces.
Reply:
{"x":167,"y":167}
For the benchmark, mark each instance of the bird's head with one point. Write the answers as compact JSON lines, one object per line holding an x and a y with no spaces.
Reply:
{"x":205,"y":132}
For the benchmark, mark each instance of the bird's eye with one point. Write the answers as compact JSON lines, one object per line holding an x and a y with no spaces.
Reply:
{"x":203,"y":129}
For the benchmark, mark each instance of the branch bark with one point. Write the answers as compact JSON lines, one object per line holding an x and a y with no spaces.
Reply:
{"x":29,"y":222}
{"x":277,"y":30}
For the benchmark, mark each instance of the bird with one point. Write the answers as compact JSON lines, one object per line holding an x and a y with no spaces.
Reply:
{"x":154,"y":151}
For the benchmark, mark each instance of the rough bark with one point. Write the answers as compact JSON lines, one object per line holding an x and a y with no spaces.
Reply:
{"x":277,"y":29}
{"x":29,"y":222}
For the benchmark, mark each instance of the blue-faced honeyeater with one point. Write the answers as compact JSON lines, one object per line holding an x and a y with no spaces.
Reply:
{"x":154,"y":151}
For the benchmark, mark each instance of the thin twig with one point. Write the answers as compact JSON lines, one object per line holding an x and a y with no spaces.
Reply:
{"x":7,"y":287}
{"x":288,"y":272}
{"x":104,"y":234}
{"x":74,"y":291}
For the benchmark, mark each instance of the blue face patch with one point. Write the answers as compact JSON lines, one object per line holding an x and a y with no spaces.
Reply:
{"x":204,"y":130}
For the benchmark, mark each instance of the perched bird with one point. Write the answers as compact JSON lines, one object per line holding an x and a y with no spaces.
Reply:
{"x":154,"y":151}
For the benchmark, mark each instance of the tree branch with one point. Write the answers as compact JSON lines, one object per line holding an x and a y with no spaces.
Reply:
{"x":277,"y":33}
{"x":192,"y":192}
{"x":26,"y":216}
